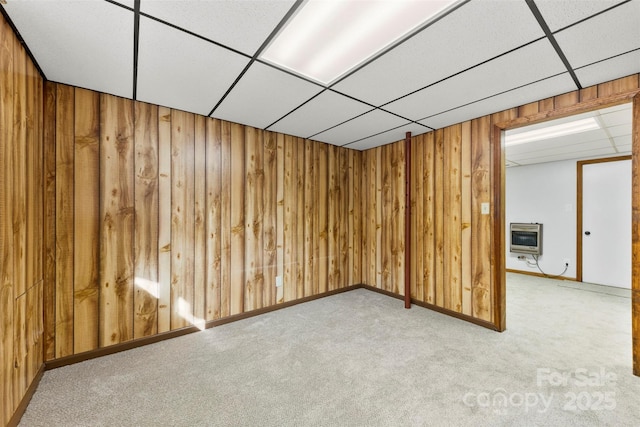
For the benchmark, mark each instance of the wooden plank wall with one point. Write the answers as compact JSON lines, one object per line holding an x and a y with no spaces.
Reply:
{"x":165,"y":219}
{"x":21,"y":222}
{"x":454,"y":170}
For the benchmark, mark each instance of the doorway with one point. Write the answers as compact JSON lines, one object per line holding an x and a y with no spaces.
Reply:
{"x":604,"y":222}
{"x":513,"y":121}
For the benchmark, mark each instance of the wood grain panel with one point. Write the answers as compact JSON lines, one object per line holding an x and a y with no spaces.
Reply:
{"x":429,"y":224}
{"x":270,"y":224}
{"x":289,"y":224}
{"x":146,"y":240}
{"x":33,"y":177}
{"x":387,"y":253}
{"x":417,"y":218}
{"x":200,"y":229}
{"x":7,"y":298}
{"x":254,"y":215}
{"x":213,"y":217}
{"x":439,"y":213}
{"x":182,"y":219}
{"x":225,"y":220}
{"x":49,"y":225}
{"x":164,"y":219}
{"x":117,"y":220}
{"x":280,"y":214}
{"x":86,"y":282}
{"x":309,"y":208}
{"x":19,"y":168}
{"x":355,"y":217}
{"x":398,"y":218}
{"x":300,"y":221}
{"x":323,"y":218}
{"x":453,"y":224}
{"x":466,"y":218}
{"x":364,"y":209}
{"x":343,"y":227}
{"x":64,"y":219}
{"x":237,"y":218}
{"x":481,"y":225}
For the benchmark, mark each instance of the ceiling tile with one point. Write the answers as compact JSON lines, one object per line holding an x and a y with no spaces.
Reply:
{"x":241,"y":25}
{"x":322,"y":112}
{"x":182,"y":71}
{"x":468,"y":36}
{"x":388,"y":137}
{"x":128,"y":3}
{"x":619,"y":66}
{"x":523,"y":66}
{"x":560,"y":13}
{"x":263,"y":95}
{"x":606,"y":35}
{"x":361,"y":127}
{"x":85,"y":44}
{"x":540,"y":90}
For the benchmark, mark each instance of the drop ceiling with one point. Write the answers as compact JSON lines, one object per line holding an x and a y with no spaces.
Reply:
{"x":482,"y":56}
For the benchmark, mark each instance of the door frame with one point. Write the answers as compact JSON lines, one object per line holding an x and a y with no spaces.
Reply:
{"x":579,"y":189}
{"x":498,"y":177}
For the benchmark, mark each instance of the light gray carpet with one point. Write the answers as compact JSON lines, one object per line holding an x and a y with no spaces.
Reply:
{"x":361,"y":359}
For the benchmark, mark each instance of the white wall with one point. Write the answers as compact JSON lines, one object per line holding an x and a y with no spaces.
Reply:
{"x":544,"y":193}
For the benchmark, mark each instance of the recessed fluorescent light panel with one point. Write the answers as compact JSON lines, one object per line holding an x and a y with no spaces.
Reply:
{"x":327,"y":38}
{"x":570,"y":128}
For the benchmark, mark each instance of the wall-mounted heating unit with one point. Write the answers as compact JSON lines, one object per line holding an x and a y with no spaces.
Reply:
{"x":526,"y":238}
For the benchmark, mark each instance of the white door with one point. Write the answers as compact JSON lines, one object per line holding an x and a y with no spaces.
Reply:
{"x":606,"y":223}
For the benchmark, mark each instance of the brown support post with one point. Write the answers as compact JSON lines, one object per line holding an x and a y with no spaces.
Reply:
{"x":407,"y":221}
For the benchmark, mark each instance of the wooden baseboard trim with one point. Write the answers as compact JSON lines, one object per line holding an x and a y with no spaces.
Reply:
{"x":428,"y":306}
{"x":533,"y":273}
{"x":457,"y":315}
{"x":92,"y":354}
{"x":22,"y":407}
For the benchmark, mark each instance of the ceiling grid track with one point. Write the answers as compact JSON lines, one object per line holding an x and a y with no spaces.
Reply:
{"x":553,"y":41}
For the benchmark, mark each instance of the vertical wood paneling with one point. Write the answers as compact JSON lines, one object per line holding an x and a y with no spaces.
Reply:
{"x":309,"y":207}
{"x":86,"y":285}
{"x":453,"y":226}
{"x":64,"y":219}
{"x":466,"y":235}
{"x":164,"y":219}
{"x":398,"y":218}
{"x":280,"y":214}
{"x":481,"y":225}
{"x":237,"y":218}
{"x":117,"y":220}
{"x":343,"y":215}
{"x":225,"y":220}
{"x":182,"y":219}
{"x":378,"y":215}
{"x":417,"y":218}
{"x":270,"y":198}
{"x":355,"y":226}
{"x":323,"y":217}
{"x":49,"y":226}
{"x":213,"y":216}
{"x":300,"y":220}
{"x":364,"y":210}
{"x":7,"y":298}
{"x":146,"y":242}
{"x":429,"y":224}
{"x":387,"y":254}
{"x":200,"y":229}
{"x":333,"y":222}
{"x":254,"y":215}
{"x":439,"y":185}
{"x":19,"y":167}
{"x":289,"y":223}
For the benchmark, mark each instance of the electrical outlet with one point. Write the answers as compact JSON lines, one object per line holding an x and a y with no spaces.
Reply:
{"x":278,"y":281}
{"x":567,"y":261}
{"x":522,"y":257}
